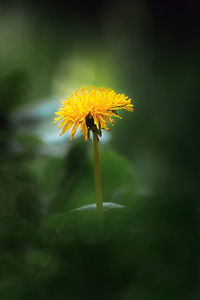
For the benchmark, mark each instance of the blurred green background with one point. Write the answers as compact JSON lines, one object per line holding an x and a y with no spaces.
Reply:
{"x":49,"y":242}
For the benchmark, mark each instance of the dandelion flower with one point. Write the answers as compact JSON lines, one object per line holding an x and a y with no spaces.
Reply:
{"x":91,"y":109}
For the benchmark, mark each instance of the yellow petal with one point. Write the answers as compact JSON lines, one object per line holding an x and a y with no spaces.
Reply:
{"x":74,"y":129}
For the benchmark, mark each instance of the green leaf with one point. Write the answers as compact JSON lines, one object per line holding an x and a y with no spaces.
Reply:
{"x":116,"y":172}
{"x":91,"y":207}
{"x":46,"y":171}
{"x":58,"y":221}
{"x":39,"y":257}
{"x":9,"y":189}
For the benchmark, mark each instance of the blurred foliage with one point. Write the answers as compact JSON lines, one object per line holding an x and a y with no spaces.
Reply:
{"x":50,"y":247}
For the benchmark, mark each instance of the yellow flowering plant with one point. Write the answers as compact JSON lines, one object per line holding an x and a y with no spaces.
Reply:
{"x":92,"y":109}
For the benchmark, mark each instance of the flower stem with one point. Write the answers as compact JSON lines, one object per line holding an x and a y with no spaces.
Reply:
{"x":98,"y":186}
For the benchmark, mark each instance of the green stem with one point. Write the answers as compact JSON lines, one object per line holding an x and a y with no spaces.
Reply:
{"x":98,"y":186}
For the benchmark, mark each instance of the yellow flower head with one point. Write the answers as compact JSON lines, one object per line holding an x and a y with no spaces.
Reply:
{"x":91,"y":109}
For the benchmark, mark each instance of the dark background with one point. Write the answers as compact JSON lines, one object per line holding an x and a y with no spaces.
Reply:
{"x":148,"y":50}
